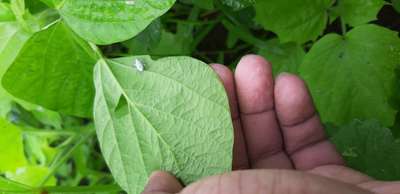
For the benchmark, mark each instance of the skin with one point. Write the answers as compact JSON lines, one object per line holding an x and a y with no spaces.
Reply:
{"x":280,"y":145}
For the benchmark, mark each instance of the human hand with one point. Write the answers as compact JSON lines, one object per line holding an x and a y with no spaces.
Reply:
{"x":277,"y":127}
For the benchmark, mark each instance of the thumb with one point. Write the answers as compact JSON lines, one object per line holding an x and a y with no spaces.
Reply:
{"x":162,"y":183}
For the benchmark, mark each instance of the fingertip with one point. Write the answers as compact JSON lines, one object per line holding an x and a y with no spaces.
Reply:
{"x":254,"y":84}
{"x":292,"y":99}
{"x":160,"y":181}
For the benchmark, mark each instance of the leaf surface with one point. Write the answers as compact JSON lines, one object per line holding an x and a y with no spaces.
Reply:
{"x":370,"y":148}
{"x":173,"y":116}
{"x":357,"y":12}
{"x":238,"y":4}
{"x":293,"y":20}
{"x":352,"y":76}
{"x":54,"y":69}
{"x":11,"y":148}
{"x":285,"y":57}
{"x":106,"y":22}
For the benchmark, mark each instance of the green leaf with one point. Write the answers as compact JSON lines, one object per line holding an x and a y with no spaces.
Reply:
{"x":370,"y":148}
{"x":106,"y":22}
{"x":238,"y":4}
{"x":146,"y":40}
{"x":293,"y":20}
{"x":11,"y":148}
{"x":57,"y":66}
{"x":285,"y":57}
{"x":173,"y":116}
{"x":396,"y":5}
{"x":31,"y":176}
{"x":351,"y":76}
{"x":357,"y":12}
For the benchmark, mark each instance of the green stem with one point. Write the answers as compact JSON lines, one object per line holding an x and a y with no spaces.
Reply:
{"x":47,"y":133}
{"x":343,"y":26}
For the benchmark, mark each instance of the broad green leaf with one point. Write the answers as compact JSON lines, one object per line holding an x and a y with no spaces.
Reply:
{"x":106,"y":22}
{"x":11,"y":148}
{"x":356,"y":12}
{"x":173,"y":116}
{"x":370,"y":148}
{"x":293,"y":20}
{"x":396,"y":5}
{"x":57,"y":66}
{"x":146,"y":40}
{"x":31,"y":176}
{"x":285,"y":57}
{"x":238,"y":4}
{"x":351,"y":76}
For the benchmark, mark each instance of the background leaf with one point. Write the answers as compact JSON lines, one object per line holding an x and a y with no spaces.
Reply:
{"x":93,"y":19}
{"x":357,"y":12}
{"x":148,"y":120}
{"x":350,"y":77}
{"x":293,"y":20}
{"x":285,"y":57}
{"x":57,"y":66}
{"x":368,"y":147}
{"x":11,"y":148}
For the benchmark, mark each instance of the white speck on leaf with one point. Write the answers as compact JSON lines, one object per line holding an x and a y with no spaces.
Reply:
{"x":138,"y":65}
{"x":130,"y":2}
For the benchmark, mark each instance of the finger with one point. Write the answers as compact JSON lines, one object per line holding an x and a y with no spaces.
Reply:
{"x":304,"y":136}
{"x":341,"y":173}
{"x":271,"y":181}
{"x":162,"y":183}
{"x":254,"y":87}
{"x":240,"y":160}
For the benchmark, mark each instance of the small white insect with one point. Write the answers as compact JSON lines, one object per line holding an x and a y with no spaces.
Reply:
{"x":138,"y":65}
{"x":130,"y":2}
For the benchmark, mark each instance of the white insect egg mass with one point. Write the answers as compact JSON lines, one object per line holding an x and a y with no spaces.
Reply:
{"x":138,"y":65}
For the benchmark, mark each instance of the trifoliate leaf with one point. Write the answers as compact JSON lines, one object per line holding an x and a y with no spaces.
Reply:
{"x":284,"y":57}
{"x":293,"y":20}
{"x":356,"y":12}
{"x":106,"y":22}
{"x":352,"y":76}
{"x":11,"y":148}
{"x":172,"y":116}
{"x":57,"y":66}
{"x":370,"y":148}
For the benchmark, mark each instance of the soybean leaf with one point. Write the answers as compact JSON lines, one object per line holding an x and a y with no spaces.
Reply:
{"x":11,"y":148}
{"x":93,"y":19}
{"x":238,"y":4}
{"x":356,"y":12}
{"x":370,"y":148}
{"x":293,"y":20}
{"x":57,"y":66}
{"x":350,"y":77}
{"x":285,"y":57}
{"x":52,"y":3}
{"x":173,"y":116}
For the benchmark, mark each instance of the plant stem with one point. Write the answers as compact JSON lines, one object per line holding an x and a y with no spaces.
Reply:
{"x":343,"y":26}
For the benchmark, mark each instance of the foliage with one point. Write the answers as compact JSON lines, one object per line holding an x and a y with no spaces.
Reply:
{"x":77,"y":115}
